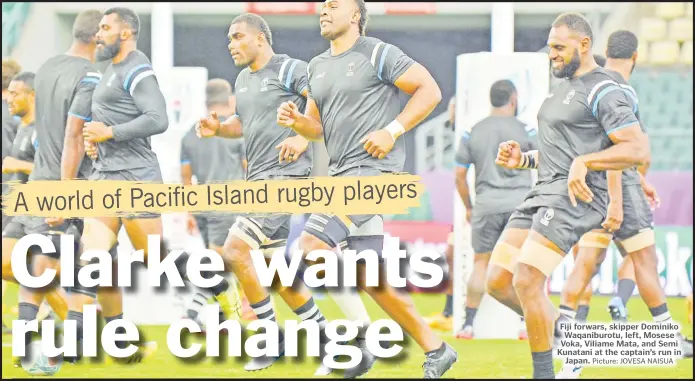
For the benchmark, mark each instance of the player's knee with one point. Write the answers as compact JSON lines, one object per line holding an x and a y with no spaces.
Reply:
{"x":497,"y":282}
{"x":236,"y":252}
{"x":526,"y":279}
{"x":309,"y":243}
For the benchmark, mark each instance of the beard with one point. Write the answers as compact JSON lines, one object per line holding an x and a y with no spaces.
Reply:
{"x":107,"y":51}
{"x":569,"y":69}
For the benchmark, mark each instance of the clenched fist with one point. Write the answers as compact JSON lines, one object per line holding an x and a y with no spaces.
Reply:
{"x":509,"y":155}
{"x":208,"y":127}
{"x":288,"y":113}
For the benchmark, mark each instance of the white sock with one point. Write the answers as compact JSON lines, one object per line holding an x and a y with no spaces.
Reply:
{"x":352,"y":306}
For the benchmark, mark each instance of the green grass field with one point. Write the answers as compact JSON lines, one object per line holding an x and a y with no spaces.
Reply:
{"x":477,"y":358}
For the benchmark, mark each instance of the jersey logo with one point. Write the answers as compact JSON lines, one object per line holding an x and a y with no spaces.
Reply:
{"x":113,"y":76}
{"x":264,"y":84}
{"x":550,"y":95}
{"x":549,"y":214}
{"x":323,"y":74}
{"x":350,"y":69}
{"x":242,"y":90}
{"x":569,"y":96}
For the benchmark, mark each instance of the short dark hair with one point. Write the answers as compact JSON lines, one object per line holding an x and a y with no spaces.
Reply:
{"x":27,"y":78}
{"x":86,"y":26}
{"x":501,"y":92}
{"x":10,"y":68}
{"x":576,"y":23}
{"x":622,"y":44}
{"x":257,"y":22}
{"x":217,"y":92}
{"x":364,"y":17}
{"x":600,"y":60}
{"x":127,"y":16}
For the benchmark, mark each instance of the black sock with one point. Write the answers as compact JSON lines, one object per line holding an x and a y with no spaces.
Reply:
{"x":449,"y":306}
{"x":625,"y":289}
{"x":470,"y":316}
{"x":78,"y":318}
{"x":119,"y":330}
{"x":543,"y":365}
{"x":28,"y":312}
{"x":582,"y":313}
{"x":437,"y":353}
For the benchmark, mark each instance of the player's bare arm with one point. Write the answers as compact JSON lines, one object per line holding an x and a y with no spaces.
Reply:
{"x":292,"y":148}
{"x":211,"y":126}
{"x":425,"y":96}
{"x":631,"y":148}
{"x":614,"y":215}
{"x":308,"y":124}
{"x":73,"y":148}
{"x":11,"y":165}
{"x":509,"y":156}
{"x":464,"y":192}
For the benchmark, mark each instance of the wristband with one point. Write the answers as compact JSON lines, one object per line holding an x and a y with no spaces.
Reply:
{"x":395,"y":129}
{"x":528,"y":161}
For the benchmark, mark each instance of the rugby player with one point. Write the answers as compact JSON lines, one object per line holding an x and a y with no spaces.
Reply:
{"x":127,"y":108}
{"x":10,"y":122}
{"x":497,"y":190}
{"x":585,"y":129}
{"x":267,"y":80}
{"x":212,"y":160}
{"x":635,"y":237}
{"x":353,"y":105}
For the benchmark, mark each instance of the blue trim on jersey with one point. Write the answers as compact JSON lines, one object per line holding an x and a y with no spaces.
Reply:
{"x":89,"y":80}
{"x":466,"y":136}
{"x":36,"y":144}
{"x":601,"y":95}
{"x":288,"y":80}
{"x":634,"y":99}
{"x":86,"y":119}
{"x":463,"y":165}
{"x":382,"y":59}
{"x":621,"y":127}
{"x":532,"y":133}
{"x":132,"y":71}
{"x":185,"y":162}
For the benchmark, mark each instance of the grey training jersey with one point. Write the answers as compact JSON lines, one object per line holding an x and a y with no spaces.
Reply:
{"x":497,"y":190}
{"x":258,"y":96}
{"x":576,"y":119}
{"x":630,"y":176}
{"x":356,"y":95}
{"x":128,"y":99}
{"x":64,"y":86}
{"x":24,"y":148}
{"x":213,"y":159}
